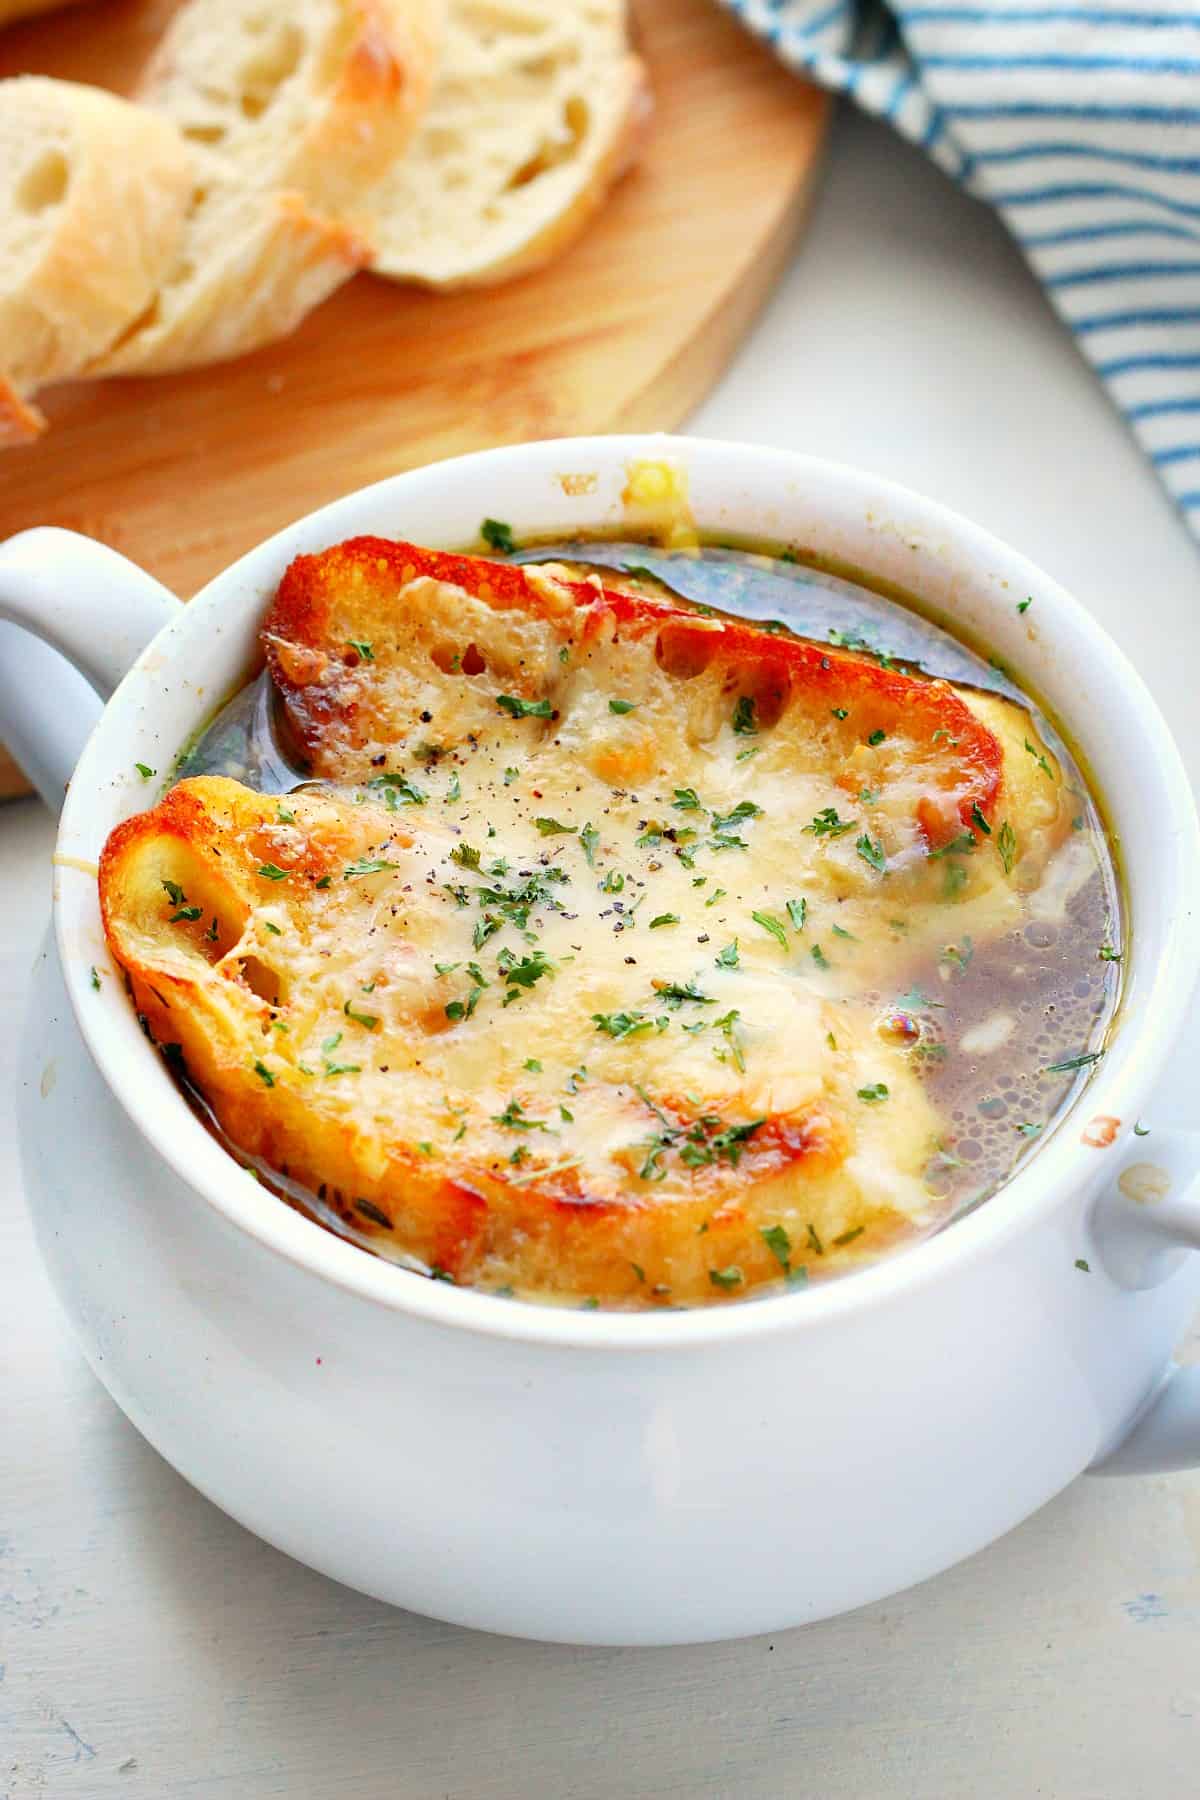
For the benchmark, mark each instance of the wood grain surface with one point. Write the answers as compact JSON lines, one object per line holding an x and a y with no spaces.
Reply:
{"x":628,"y":330}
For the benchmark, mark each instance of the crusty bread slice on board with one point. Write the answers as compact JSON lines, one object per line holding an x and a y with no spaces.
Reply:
{"x":317,"y":95}
{"x":250,"y":265}
{"x":93,"y":196}
{"x":534,"y":113}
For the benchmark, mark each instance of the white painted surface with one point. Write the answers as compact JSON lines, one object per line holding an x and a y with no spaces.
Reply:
{"x":138,"y":1623}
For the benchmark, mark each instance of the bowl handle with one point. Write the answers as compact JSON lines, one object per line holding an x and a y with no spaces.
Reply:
{"x":93,"y":612}
{"x":1144,"y":1228}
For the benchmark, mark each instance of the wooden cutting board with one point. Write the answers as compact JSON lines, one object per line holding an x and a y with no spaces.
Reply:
{"x":628,"y":330}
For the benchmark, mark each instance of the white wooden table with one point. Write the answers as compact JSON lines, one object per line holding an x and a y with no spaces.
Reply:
{"x":149,"y":1648}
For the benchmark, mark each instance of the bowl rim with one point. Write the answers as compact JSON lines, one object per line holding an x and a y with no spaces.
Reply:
{"x":1059,"y":1167}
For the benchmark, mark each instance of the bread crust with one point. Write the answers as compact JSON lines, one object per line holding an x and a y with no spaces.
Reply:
{"x":632,"y":123}
{"x":11,"y":10}
{"x":127,"y":178}
{"x":261,"y":265}
{"x":336,"y":124}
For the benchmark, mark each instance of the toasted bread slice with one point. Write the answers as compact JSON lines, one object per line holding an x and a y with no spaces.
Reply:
{"x":11,"y":10}
{"x":320,"y":96}
{"x":251,"y":264}
{"x":568,"y":981}
{"x":314,"y":964}
{"x":91,"y":216}
{"x":537,"y":107}
{"x":868,"y":775}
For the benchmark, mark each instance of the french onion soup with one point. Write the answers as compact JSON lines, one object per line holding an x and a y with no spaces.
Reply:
{"x":626,"y":929}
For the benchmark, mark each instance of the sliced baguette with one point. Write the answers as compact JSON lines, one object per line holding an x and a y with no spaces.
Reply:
{"x":93,"y":196}
{"x":318,"y":95}
{"x":535,"y":112}
{"x":250,"y":265}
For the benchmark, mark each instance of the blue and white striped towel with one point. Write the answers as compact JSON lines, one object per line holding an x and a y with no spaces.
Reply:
{"x":1080,"y":123}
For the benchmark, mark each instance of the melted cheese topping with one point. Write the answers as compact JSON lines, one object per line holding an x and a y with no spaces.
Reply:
{"x":578,"y":980}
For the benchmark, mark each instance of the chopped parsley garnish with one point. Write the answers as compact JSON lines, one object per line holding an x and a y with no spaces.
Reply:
{"x":942,"y":732}
{"x":1028,"y":1130}
{"x":533,"y":1065}
{"x":664,"y":919}
{"x":958,"y":846}
{"x":840,"y":931}
{"x":726,"y":1278}
{"x":510,"y":775}
{"x":1141,"y":1130}
{"x":1006,"y":844}
{"x":848,"y":1237}
{"x":871,"y":851}
{"x":979,"y":820}
{"x":554,"y":828}
{"x":144,"y":770}
{"x":797,"y":911}
{"x":463,"y":1009}
{"x":840,"y":712}
{"x":515,"y":1118}
{"x":367,"y":1019}
{"x":95,"y":978}
{"x":175,"y":893}
{"x":1106,"y":953}
{"x":728,"y":957}
{"x":877,"y":737}
{"x":687,"y":800}
{"x":675,"y":993}
{"x":876,"y":1091}
{"x":745,"y":722}
{"x":498,"y":536}
{"x":778,"y":1243}
{"x":365,"y":865}
{"x":271,"y":872}
{"x":524,"y":709}
{"x":589,"y":837}
{"x":1070,"y":1063}
{"x":398,"y":790}
{"x":1080,"y":1263}
{"x":523,"y":975}
{"x":364,"y":649}
{"x":727,"y":1026}
{"x":745,"y":809}
{"x":621,"y":707}
{"x":1023,"y":606}
{"x":454,"y":790}
{"x":185,"y":912}
{"x":819,"y":957}
{"x":1040,"y":760}
{"x":613,"y":883}
{"x":284,"y":816}
{"x":264,"y":1074}
{"x":466,"y":856}
{"x":622,"y":1024}
{"x":771,"y":924}
{"x":717,"y":894}
{"x":827,"y":824}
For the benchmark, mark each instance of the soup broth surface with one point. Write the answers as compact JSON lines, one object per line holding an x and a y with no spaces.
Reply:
{"x":1002,"y":1030}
